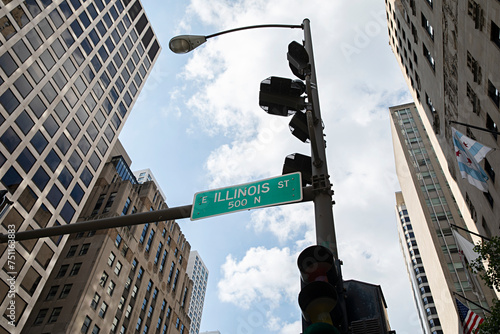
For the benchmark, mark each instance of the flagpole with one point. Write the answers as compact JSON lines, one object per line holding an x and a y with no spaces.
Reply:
{"x":470,"y":301}
{"x":476,"y":234}
{"x":476,"y":127}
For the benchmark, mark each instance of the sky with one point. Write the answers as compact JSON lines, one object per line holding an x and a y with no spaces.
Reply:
{"x":197,"y":125}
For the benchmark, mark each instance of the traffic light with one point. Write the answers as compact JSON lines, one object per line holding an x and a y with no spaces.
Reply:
{"x":281,"y":96}
{"x":321,"y":296}
{"x":297,"y":162}
{"x":298,"y":60}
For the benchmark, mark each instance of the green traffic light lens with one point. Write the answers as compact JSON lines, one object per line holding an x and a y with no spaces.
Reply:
{"x":321,"y":328}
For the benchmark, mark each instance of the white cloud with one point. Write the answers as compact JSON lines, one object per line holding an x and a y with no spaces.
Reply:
{"x":255,"y":278}
{"x":291,"y":328}
{"x":285,"y":222}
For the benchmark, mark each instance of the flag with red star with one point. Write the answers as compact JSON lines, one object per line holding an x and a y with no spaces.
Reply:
{"x":469,"y":153}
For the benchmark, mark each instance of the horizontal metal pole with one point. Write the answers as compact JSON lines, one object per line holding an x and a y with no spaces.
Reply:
{"x":179,"y":212}
{"x":476,"y":127}
{"x":292,"y":26}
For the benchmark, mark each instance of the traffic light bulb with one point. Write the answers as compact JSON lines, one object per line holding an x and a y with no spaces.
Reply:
{"x":314,"y":263}
{"x":317,"y":300}
{"x":317,"y":272}
{"x":319,"y":310}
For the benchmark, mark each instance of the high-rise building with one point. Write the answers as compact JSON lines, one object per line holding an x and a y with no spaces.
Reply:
{"x":198,"y":272}
{"x":71,"y":71}
{"x":145,"y":175}
{"x":449,"y":51}
{"x":426,"y":211}
{"x":211,"y":332}
{"x":121,"y":280}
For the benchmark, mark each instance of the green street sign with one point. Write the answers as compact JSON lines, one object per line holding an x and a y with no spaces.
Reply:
{"x":273,"y":191}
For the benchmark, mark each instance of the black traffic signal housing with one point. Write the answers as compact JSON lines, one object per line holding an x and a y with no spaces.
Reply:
{"x":297,"y":162}
{"x":282,"y":96}
{"x":321,"y":298}
{"x":298,"y":60}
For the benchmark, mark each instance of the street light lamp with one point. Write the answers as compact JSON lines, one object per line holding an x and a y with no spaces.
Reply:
{"x":301,"y":61}
{"x":186,"y":43}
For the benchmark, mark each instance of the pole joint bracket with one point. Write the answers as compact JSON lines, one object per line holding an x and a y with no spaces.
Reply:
{"x":321,"y":184}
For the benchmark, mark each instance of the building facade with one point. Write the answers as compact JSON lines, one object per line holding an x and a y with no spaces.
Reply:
{"x":123,"y":280}
{"x":449,"y":51}
{"x":198,"y":272}
{"x":70,"y":73}
{"x":426,"y":211}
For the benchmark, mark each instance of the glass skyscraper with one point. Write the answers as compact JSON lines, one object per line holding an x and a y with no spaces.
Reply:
{"x":70,"y":73}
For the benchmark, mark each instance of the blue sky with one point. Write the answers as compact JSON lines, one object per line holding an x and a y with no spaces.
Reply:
{"x":197,"y":125}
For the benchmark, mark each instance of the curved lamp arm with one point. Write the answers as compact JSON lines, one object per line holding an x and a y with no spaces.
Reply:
{"x":187,"y":43}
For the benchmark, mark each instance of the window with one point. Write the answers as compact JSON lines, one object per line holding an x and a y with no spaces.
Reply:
{"x":128,"y":282}
{"x":103,"y":279}
{"x":158,"y":252}
{"x":139,"y":275}
{"x":134,"y":291}
{"x":114,"y":324}
{"x":144,"y":303}
{"x":41,"y":315}
{"x":429,"y":57}
{"x":118,"y":241}
{"x":125,"y":208}
{"x":121,"y":303}
{"x":150,"y":240}
{"x":72,"y":251}
{"x":109,"y":203}
{"x":54,"y":315}
{"x":62,"y":270}
{"x":98,"y":204}
{"x":169,"y":311}
{"x":118,"y":268}
{"x":111,"y":259}
{"x":150,"y":285}
{"x":491,"y":125}
{"x":75,"y":269}
{"x":65,"y":291}
{"x":489,"y":169}
{"x":52,"y":292}
{"x":96,"y":329}
{"x":427,"y":26}
{"x":102,"y":311}
{"x":171,"y":272}
{"x":143,"y":234}
{"x":84,"y":249}
{"x":128,"y":311}
{"x":495,"y":34}
{"x":139,"y":321}
{"x":111,"y":288}
{"x":86,"y":324}
{"x":134,"y":264}
{"x":175,"y":280}
{"x":95,"y":301}
{"x":493,"y":93}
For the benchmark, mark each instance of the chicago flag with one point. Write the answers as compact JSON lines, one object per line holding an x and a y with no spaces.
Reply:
{"x":469,"y":153}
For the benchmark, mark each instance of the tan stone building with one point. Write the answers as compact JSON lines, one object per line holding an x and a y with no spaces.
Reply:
{"x":426,"y":211}
{"x":449,"y":51}
{"x":121,"y":280}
